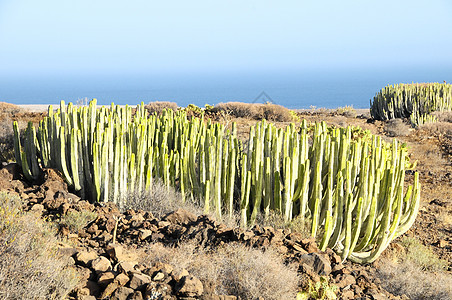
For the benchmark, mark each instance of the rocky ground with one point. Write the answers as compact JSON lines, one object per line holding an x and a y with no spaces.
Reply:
{"x":108,"y":252}
{"x":112,"y":269}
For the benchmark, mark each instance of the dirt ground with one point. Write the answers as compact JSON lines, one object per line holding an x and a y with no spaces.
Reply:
{"x":430,"y":145}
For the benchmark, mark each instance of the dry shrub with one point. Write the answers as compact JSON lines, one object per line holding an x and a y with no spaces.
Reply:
{"x":8,"y":113}
{"x":438,"y":128}
{"x":421,"y":255}
{"x":76,"y":220}
{"x":405,"y":277}
{"x":397,"y":127}
{"x":426,"y":276}
{"x":256,"y":111}
{"x":6,"y":139}
{"x":159,"y":106}
{"x":8,"y":108}
{"x":347,"y":111}
{"x":277,"y":221}
{"x":160,"y":201}
{"x":443,"y":116}
{"x":29,"y":264}
{"x":232,"y":269}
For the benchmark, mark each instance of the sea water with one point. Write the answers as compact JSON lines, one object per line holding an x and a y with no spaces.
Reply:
{"x":296,"y":89}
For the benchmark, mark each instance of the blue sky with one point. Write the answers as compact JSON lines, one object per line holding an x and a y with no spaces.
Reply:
{"x":169,"y":37}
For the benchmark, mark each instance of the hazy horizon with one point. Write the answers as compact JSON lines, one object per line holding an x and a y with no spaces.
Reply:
{"x":221,"y":50}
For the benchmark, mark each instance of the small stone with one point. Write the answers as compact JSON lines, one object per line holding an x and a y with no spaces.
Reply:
{"x":349,"y":294}
{"x":442,"y":243}
{"x":116,"y":252}
{"x":138,"y":281}
{"x":375,"y":295}
{"x":179,"y":275}
{"x":190,"y":286}
{"x":247,"y":235}
{"x":162,"y":267}
{"x":109,"y":290}
{"x":101,"y":264}
{"x":337,"y":267}
{"x":87,"y":297}
{"x":84,"y":258}
{"x":37,"y":208}
{"x":121,"y":293}
{"x":122,"y":279}
{"x":299,"y":248}
{"x":310,"y":245}
{"x":106,"y":278}
{"x":136,"y":296}
{"x":318,"y":261}
{"x":126,"y":267}
{"x":346,"y":280}
{"x":144,"y":233}
{"x":159,"y":276}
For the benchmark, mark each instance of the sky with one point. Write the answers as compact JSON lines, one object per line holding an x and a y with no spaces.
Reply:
{"x":46,"y":37}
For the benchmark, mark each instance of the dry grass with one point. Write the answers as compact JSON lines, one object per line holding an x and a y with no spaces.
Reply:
{"x":270,"y":112}
{"x":159,"y":106}
{"x":29,"y":265}
{"x":76,"y":220}
{"x":347,"y":111}
{"x":427,"y":278}
{"x":276,"y":220}
{"x":397,"y":127}
{"x":232,"y":270}
{"x":8,"y":108}
{"x":421,"y":255}
{"x":407,"y":278}
{"x":443,"y":116}
{"x":6,"y":139}
{"x":160,"y":201}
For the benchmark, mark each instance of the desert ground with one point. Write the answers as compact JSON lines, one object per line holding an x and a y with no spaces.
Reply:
{"x":418,"y":265}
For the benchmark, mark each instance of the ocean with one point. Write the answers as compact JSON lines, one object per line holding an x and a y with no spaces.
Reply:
{"x":320,"y":89}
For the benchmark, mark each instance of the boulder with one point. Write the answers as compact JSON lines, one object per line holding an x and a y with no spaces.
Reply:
{"x":122,"y":293}
{"x":189,"y":286}
{"x":101,"y":264}
{"x":85,"y":258}
{"x":181,"y":217}
{"x":139,"y":280}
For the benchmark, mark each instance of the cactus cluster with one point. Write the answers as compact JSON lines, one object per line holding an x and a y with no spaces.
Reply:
{"x":414,"y":101}
{"x":350,"y":188}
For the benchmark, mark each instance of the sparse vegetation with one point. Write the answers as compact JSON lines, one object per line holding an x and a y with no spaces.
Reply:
{"x":76,"y":220}
{"x":159,"y":106}
{"x":256,"y":111}
{"x":322,"y":290}
{"x":29,"y":264}
{"x":347,"y":111}
{"x":232,"y":270}
{"x":397,"y":127}
{"x":427,"y":278}
{"x":159,"y":200}
{"x":406,"y":278}
{"x":421,"y":256}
